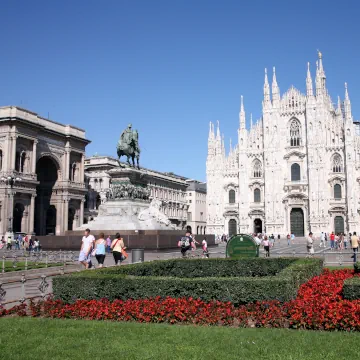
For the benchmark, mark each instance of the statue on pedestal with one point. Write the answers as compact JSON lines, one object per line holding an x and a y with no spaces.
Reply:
{"x":128,"y":145}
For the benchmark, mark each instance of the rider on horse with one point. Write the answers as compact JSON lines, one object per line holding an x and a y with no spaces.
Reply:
{"x":128,"y":145}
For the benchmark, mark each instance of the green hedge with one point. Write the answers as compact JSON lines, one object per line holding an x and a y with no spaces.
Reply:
{"x":351,"y":288}
{"x":195,"y":268}
{"x":112,"y":285}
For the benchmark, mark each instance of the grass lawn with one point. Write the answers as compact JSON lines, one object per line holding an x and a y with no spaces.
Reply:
{"x":29,"y":338}
{"x":21,"y":266}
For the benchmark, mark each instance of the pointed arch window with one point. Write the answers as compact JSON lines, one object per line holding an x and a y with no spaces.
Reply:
{"x":257,"y":195}
{"x":295,"y":133}
{"x":337,"y":191}
{"x":337,"y":164}
{"x":295,"y":172}
{"x":257,"y":171}
{"x":232,"y":197}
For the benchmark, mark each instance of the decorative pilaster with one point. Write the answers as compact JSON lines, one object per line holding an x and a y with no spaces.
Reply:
{"x":33,"y":167}
{"x":81,"y":220}
{"x":32,"y":215}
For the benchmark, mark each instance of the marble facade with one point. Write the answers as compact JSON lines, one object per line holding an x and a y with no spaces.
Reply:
{"x":297,"y":169}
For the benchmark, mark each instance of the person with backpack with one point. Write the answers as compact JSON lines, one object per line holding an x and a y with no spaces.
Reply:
{"x":186,"y":243}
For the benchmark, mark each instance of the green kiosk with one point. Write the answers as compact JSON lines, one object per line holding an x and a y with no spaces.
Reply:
{"x":242,"y":246}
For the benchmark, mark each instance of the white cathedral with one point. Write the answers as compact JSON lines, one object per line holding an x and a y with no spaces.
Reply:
{"x":296,"y":170}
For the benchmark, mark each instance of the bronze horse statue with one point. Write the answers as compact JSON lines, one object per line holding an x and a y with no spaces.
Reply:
{"x":128,"y":146}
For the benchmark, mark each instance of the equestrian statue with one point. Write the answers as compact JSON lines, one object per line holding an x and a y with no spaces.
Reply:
{"x":128,"y":145}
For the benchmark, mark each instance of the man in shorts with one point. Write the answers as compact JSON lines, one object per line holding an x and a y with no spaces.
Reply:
{"x":87,"y":244}
{"x":186,"y":243}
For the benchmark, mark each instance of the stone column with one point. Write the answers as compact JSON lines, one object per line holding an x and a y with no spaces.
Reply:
{"x":13,"y":153}
{"x":33,"y":164}
{"x":81,"y":220}
{"x":82,"y":179}
{"x":31,"y":215}
{"x":59,"y":220}
{"x":67,"y":161}
{"x":66,"y":214}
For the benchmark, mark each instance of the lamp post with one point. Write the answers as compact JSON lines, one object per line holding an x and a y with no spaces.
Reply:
{"x":10,"y":182}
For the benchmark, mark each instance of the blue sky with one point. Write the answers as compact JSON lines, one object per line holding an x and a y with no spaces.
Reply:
{"x":169,"y":67}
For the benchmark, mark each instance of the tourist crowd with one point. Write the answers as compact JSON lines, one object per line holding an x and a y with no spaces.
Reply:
{"x":20,"y":242}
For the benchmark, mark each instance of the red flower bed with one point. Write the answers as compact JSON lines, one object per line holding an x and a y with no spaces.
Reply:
{"x":319,"y":305}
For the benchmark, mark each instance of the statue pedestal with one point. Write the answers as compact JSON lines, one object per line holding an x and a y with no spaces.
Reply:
{"x":128,"y":206}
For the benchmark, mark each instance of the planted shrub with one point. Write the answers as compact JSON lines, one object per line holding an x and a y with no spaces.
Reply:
{"x":125,"y":282}
{"x":351,"y":288}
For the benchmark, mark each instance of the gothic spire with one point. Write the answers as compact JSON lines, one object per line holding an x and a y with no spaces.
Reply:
{"x":242,"y":118}
{"x":347,"y":104}
{"x":275,"y":90}
{"x":309,"y":84}
{"x":267,"y":101}
{"x":211,"y":131}
{"x":320,"y":77}
{"x":218,"y":131}
{"x":251,"y":121}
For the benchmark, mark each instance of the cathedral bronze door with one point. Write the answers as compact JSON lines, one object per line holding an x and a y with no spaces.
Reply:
{"x":339,"y":224}
{"x":297,"y":222}
{"x":232,"y":227}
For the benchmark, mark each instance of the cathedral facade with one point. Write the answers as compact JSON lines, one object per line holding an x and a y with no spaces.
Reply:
{"x":296,"y":170}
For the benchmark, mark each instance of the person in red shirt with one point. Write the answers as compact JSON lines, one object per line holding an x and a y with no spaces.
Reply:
{"x":332,"y":241}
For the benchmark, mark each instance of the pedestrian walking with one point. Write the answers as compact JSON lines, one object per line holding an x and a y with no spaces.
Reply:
{"x":36,"y":245}
{"x":278,"y":237}
{"x":186,"y":243}
{"x":108,"y":244}
{"x":322,"y":239}
{"x":332,"y":241}
{"x":205,"y":248}
{"x":8,"y":243}
{"x":346,"y":240}
{"x":99,"y":250}
{"x":354,"y":245}
{"x":266,"y":244}
{"x":341,"y":242}
{"x":117,"y":247}
{"x":87,"y":244}
{"x":17,"y":246}
{"x":288,"y":237}
{"x":310,"y":245}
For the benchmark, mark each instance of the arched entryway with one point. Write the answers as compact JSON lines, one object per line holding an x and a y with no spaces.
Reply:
{"x":17,"y":217}
{"x":232,"y":227}
{"x":204,"y":230}
{"x":258,"y":226}
{"x":297,"y":222}
{"x":339,"y":224}
{"x":45,"y":212}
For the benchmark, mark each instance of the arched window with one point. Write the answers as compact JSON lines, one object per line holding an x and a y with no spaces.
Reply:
{"x":232,"y":197}
{"x":257,"y":169}
{"x":232,"y":227}
{"x":295,"y":172}
{"x":257,"y":195}
{"x":337,"y":163}
{"x":337,"y":191}
{"x":295,"y":133}
{"x":1,"y":159}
